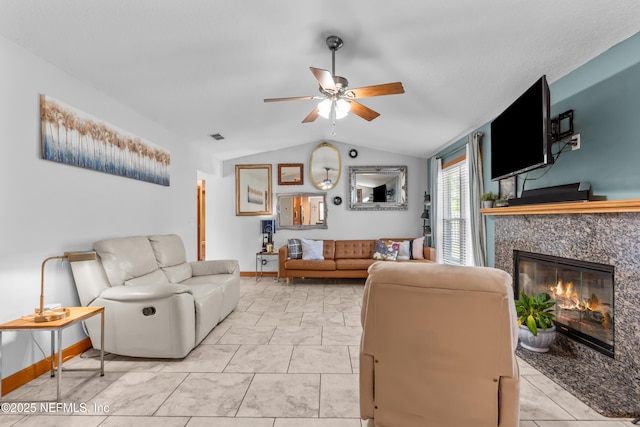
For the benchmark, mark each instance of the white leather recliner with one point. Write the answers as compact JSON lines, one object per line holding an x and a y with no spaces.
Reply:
{"x":156,"y":303}
{"x":438,"y":346}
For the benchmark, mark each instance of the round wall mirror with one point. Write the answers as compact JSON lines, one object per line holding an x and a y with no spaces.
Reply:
{"x":325,"y":166}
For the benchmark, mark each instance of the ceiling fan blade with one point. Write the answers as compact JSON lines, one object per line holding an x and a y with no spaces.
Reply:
{"x":378,"y":90}
{"x":312,"y":116}
{"x":294,"y":98}
{"x":365,"y":112}
{"x":325,"y":79}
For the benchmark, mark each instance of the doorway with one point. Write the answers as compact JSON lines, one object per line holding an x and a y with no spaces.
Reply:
{"x":202,"y":240}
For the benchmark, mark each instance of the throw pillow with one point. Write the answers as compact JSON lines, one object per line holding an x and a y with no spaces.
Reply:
{"x":386,"y":251}
{"x":312,"y":249}
{"x":404,"y":250}
{"x":295,"y":249}
{"x":417,"y":248}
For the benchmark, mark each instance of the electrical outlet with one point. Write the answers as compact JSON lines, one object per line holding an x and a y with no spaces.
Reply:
{"x":576,"y":142}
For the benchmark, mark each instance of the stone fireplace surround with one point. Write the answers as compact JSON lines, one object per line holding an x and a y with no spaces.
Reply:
{"x":611,"y":386}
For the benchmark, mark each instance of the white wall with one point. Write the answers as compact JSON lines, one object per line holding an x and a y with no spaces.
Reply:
{"x":239,"y":237}
{"x":49,"y":208}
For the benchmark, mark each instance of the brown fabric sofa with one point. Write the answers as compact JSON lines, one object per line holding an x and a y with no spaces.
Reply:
{"x":438,"y":346}
{"x":342,"y":259}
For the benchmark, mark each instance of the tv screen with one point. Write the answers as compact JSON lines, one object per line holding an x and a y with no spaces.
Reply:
{"x":520,"y":136}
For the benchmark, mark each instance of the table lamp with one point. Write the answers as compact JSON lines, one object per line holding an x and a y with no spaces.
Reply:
{"x":43,"y":315}
{"x":267,"y":228}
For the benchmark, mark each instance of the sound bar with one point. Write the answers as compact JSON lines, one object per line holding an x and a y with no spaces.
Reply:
{"x":577,"y":192}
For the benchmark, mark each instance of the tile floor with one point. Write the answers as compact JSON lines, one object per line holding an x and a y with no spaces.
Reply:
{"x":287,"y":357}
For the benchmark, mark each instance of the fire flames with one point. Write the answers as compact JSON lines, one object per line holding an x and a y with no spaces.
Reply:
{"x":567,"y":299}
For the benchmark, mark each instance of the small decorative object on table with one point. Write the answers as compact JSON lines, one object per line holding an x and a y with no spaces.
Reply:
{"x":535,"y":320}
{"x":508,"y":188}
{"x":267,"y":228}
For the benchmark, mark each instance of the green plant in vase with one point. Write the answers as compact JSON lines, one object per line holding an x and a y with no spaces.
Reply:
{"x":489,"y":196}
{"x":535,"y":319}
{"x":487,"y":199}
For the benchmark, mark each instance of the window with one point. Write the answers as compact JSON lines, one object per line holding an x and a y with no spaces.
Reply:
{"x":454,"y":213}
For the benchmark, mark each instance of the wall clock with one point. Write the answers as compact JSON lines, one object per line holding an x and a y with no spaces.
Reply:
{"x":353,"y":153}
{"x":337,"y":200}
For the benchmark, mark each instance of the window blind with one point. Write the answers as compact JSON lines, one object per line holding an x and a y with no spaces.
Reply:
{"x":453,"y":213}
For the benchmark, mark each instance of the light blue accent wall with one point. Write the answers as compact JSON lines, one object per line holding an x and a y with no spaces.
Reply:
{"x":605,"y":96}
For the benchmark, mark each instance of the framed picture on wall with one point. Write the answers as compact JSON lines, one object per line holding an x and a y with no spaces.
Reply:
{"x":508,"y":188}
{"x":253,"y":190}
{"x":290,"y":174}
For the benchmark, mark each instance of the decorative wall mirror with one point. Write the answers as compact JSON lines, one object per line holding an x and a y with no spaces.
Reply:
{"x":301,"y":211}
{"x":378,"y":188}
{"x":325,"y":166}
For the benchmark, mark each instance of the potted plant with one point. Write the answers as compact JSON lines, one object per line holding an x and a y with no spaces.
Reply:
{"x":535,"y":320}
{"x":487,"y":199}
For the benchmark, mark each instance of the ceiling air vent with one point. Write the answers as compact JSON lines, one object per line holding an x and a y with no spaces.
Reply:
{"x":216,"y":136}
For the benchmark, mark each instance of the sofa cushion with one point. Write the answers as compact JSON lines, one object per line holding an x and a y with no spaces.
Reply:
{"x":295,"y":249}
{"x":417,"y":250}
{"x":312,"y":249}
{"x":208,"y":301}
{"x":215,"y":266}
{"x":126,"y":258}
{"x":386,"y":250}
{"x":317,"y":265}
{"x":168,"y":250}
{"x":354,"y":263}
{"x":404,"y":250}
{"x":352,"y":249}
{"x":178,"y":273}
{"x":156,"y":277}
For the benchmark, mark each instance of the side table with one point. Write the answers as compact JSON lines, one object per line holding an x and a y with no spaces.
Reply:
{"x":76,"y":314}
{"x":262,"y":258}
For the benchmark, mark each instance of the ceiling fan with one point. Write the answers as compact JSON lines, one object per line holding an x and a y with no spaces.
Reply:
{"x":337,"y":98}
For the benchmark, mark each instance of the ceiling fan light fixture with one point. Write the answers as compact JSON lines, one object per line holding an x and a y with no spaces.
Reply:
{"x":341,"y":107}
{"x":327,"y":182}
{"x":324,"y":108}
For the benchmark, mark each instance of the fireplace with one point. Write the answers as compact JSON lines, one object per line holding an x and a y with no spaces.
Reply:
{"x":583,"y":292}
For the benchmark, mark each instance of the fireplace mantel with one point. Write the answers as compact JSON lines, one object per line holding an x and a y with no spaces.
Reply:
{"x":605,"y":206}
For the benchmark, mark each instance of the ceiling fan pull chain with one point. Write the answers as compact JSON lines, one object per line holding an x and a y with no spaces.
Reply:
{"x":333,"y":117}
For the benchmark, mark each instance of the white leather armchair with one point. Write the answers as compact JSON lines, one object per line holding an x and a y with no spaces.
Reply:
{"x":156,"y":303}
{"x":438,"y":347}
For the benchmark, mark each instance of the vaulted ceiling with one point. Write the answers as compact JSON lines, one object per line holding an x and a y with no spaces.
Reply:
{"x":199,"y":67}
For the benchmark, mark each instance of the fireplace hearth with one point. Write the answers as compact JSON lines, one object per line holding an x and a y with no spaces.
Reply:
{"x":583,"y":292}
{"x":609,"y":385}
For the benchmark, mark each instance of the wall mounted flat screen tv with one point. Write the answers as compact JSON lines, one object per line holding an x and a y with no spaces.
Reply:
{"x":521,"y":135}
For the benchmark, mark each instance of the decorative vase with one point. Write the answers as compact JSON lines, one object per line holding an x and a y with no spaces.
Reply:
{"x":539,"y":343}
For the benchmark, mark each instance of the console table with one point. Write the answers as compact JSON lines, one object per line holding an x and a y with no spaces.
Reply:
{"x":76,"y":314}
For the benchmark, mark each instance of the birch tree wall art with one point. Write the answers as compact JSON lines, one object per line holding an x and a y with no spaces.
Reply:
{"x":75,"y":138}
